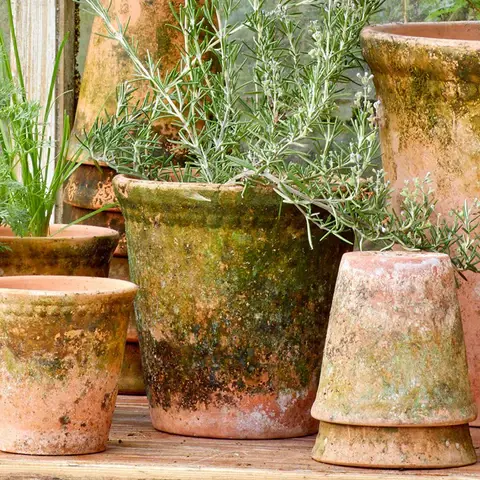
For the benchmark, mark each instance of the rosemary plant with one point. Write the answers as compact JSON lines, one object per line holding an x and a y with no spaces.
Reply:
{"x":126,"y":139}
{"x":256,"y":100}
{"x":229,"y":122}
{"x":33,"y":167}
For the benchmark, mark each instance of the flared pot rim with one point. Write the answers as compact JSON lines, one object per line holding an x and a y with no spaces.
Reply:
{"x":124,"y":180}
{"x":433,"y":34}
{"x":65,"y":232}
{"x":58,"y":286}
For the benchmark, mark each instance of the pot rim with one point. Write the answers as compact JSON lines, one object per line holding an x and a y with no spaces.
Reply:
{"x":64,"y":286}
{"x":155,"y":184}
{"x":398,"y":254}
{"x":391,"y":32}
{"x":72,"y":232}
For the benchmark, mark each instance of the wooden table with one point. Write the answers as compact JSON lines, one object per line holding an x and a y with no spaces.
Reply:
{"x":138,"y":452}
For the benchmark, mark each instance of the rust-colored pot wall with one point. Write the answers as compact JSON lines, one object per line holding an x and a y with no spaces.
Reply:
{"x":107,"y":65}
{"x":427,"y":78}
{"x":233,"y":307}
{"x":78,"y":250}
{"x":394,"y":389}
{"x":62,"y":342}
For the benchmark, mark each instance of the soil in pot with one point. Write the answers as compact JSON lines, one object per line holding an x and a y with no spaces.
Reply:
{"x":62,"y":341}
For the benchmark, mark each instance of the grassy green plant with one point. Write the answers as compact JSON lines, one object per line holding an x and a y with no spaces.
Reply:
{"x":429,"y":10}
{"x":268,"y":113}
{"x":33,"y":167}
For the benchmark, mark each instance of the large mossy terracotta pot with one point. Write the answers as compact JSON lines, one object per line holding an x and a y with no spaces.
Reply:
{"x":394,"y":389}
{"x":106,"y":67}
{"x":62,"y":341}
{"x":232,"y":309}
{"x":427,"y":78}
{"x":76,"y":250}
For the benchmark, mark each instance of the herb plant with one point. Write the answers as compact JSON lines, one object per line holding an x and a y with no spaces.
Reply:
{"x":229,"y":122}
{"x":256,"y":101}
{"x":33,"y":167}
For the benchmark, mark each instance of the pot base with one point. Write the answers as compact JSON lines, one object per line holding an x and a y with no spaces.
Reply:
{"x":131,"y":378}
{"x":394,"y":447}
{"x":249,"y":418}
{"x":52,"y":445}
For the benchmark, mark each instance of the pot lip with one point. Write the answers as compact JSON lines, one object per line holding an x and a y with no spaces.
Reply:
{"x":64,"y":286}
{"x":73,"y":232}
{"x":398,"y":255}
{"x":124,"y":180}
{"x":390,"y":32}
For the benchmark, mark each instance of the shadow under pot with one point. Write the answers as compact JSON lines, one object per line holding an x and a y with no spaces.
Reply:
{"x":77,"y":250}
{"x":62,"y":341}
{"x":232,"y":309}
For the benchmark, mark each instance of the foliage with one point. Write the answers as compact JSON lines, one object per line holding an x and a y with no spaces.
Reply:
{"x":31,"y":175}
{"x":430,"y":10}
{"x":127,"y":139}
{"x":279,"y":123}
{"x":289,"y":98}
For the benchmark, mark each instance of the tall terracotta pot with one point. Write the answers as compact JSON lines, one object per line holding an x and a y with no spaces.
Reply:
{"x":62,"y":341}
{"x":90,"y":186}
{"x":427,"y":78}
{"x":232,"y":309}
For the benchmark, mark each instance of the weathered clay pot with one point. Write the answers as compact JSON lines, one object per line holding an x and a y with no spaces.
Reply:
{"x":62,"y":341}
{"x":394,"y":389}
{"x":427,"y":78}
{"x":77,"y":250}
{"x":233,"y":307}
{"x":106,"y":67}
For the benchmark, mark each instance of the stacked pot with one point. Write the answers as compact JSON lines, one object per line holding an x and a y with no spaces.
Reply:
{"x":394,"y":389}
{"x":90,"y":187}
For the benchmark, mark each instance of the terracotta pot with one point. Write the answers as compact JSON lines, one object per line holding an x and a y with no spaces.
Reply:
{"x":62,"y":341}
{"x":427,"y":78}
{"x":233,"y":307}
{"x":77,"y":250}
{"x":107,"y":65}
{"x":394,"y":388}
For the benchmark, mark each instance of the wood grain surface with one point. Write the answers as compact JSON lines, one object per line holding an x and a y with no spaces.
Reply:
{"x":138,"y":452}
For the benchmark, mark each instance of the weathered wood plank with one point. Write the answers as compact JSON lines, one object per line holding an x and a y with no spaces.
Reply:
{"x":66,"y":28}
{"x":138,"y":452}
{"x":36,"y":28}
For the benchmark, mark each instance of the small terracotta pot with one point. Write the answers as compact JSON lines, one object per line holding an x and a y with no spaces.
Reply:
{"x":62,"y":342}
{"x":395,"y":366}
{"x":233,"y":307}
{"x":427,"y":78}
{"x":78,"y":250}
